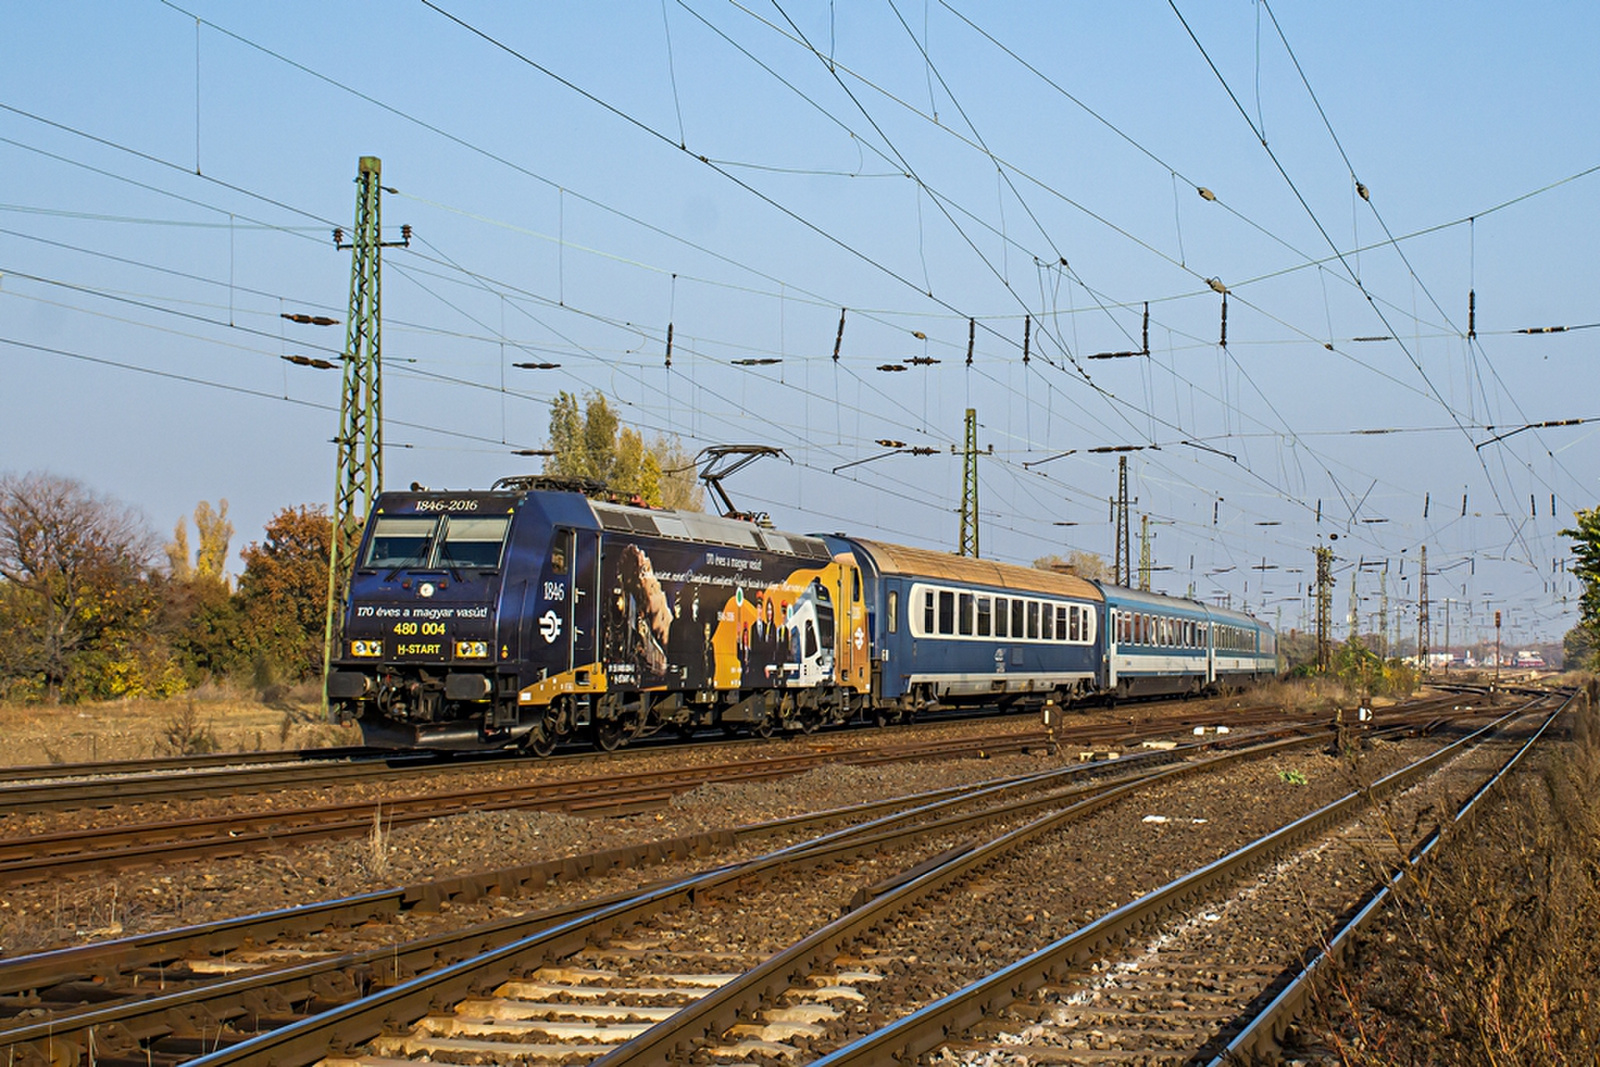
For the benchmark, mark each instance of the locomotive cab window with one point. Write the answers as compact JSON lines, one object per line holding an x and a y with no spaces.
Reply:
{"x":474,"y":542}
{"x":560,"y":551}
{"x":401,"y":542}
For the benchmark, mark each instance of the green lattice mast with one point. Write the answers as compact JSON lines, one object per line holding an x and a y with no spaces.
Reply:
{"x":969,"y":488}
{"x":359,"y":472}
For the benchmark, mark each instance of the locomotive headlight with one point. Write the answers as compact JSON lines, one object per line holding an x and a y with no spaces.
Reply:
{"x":472,"y":650}
{"x":366,"y":648}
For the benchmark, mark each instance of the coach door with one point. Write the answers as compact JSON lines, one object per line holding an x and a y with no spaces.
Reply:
{"x":850,"y":637}
{"x":583,"y":605}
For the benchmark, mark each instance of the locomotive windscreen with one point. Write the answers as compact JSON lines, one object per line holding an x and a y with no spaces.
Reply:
{"x":473,"y":542}
{"x":411,"y":541}
{"x":400,"y":542}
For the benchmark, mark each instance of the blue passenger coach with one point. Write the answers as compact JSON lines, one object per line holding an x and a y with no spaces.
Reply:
{"x":1154,"y":644}
{"x":954,"y":629}
{"x":1166,"y":645}
{"x":1244,"y":650}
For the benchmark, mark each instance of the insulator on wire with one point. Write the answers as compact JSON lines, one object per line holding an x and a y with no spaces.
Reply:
{"x":1146,"y":343}
{"x":1224,"y":341}
{"x":1027,"y":333}
{"x":1427,"y":498}
{"x":1472,"y":313}
{"x":972,"y":335}
{"x":838,"y":339}
{"x":1463,"y":505}
{"x":669,"y":345}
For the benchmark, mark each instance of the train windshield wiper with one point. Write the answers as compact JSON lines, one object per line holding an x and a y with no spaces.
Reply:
{"x":419,"y":556}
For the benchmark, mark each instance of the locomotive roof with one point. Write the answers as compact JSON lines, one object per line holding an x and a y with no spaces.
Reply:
{"x":927,"y":563}
{"x":708,"y":529}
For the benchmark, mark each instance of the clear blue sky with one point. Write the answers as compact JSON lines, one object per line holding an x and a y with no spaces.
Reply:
{"x":169,"y":175}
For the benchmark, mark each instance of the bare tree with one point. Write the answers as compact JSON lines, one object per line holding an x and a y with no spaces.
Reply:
{"x":72,"y":565}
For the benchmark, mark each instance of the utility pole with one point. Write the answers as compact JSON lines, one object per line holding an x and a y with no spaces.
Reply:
{"x":1353,"y":621}
{"x":969,"y":488}
{"x":1449,"y":656}
{"x":1422,"y":613}
{"x":359,"y":473}
{"x":1124,"y":555}
{"x":1383,"y":613}
{"x":1497,"y":648}
{"x":1324,"y":604}
{"x":1144,"y":553}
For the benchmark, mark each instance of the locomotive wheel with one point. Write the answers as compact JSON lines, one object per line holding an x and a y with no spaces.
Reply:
{"x":608,"y":735}
{"x":540,"y":743}
{"x":763,"y":726}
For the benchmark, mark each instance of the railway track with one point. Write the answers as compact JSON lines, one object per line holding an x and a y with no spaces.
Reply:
{"x":73,"y":787}
{"x":1207,"y":969}
{"x":42,"y":856}
{"x":42,"y":772}
{"x":304,"y":987}
{"x":167,"y":1026}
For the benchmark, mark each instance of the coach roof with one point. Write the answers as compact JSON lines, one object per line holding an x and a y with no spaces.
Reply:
{"x":925,"y":563}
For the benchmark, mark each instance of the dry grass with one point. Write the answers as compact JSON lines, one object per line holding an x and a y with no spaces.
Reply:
{"x":209,"y":719}
{"x":1490,"y":956}
{"x":1313,"y":696}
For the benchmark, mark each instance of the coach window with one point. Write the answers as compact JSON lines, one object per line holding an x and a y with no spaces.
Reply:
{"x":984,"y":608}
{"x":1016,"y":618}
{"x":1074,"y":623}
{"x":927,"y":613}
{"x":1002,"y":616}
{"x":1062,"y":611}
{"x":894,"y":611}
{"x":1047,"y":626}
{"x":1033,"y":619}
{"x":964,"y":616}
{"x":947,"y":611}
